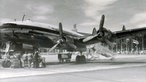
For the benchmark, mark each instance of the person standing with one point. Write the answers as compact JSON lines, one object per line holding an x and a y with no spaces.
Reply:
{"x":36,"y":59}
{"x":30,"y":58}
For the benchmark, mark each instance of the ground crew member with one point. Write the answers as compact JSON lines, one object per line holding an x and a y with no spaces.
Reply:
{"x":36,"y":60}
{"x":30,"y":58}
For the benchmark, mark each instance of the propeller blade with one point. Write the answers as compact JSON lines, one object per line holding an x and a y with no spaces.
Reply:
{"x":60,"y":30}
{"x":101,"y":22}
{"x":90,"y":38}
{"x":54,"y":46}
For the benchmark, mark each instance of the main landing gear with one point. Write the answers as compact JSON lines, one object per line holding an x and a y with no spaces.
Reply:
{"x":6,"y":63}
{"x":80,"y":58}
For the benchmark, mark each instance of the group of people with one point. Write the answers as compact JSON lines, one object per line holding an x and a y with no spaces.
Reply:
{"x":32,"y":60}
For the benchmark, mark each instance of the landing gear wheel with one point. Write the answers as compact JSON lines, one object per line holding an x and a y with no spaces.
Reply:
{"x":77,"y":59}
{"x":83,"y":59}
{"x":80,"y":59}
{"x":6,"y":63}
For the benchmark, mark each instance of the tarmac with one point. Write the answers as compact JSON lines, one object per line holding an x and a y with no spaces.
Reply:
{"x":98,"y":64}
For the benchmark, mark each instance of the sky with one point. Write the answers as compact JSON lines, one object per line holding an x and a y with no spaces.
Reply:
{"x":85,"y":13}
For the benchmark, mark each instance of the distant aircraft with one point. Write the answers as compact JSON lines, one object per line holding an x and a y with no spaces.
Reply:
{"x":25,"y":36}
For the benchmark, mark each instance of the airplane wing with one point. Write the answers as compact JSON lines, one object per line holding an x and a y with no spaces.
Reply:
{"x":85,"y":34}
{"x":129,"y":33}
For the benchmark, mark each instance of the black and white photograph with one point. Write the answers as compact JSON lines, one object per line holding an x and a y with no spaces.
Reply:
{"x":72,"y":40}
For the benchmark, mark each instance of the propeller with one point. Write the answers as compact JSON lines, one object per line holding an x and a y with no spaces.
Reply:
{"x":100,"y":34}
{"x":62,"y":39}
{"x":97,"y":33}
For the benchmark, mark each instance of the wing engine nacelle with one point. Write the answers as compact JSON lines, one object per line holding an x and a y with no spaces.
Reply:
{"x":102,"y":35}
